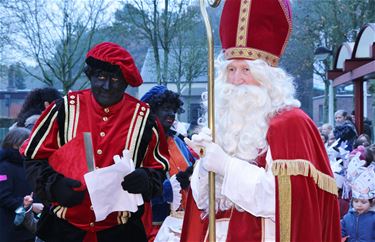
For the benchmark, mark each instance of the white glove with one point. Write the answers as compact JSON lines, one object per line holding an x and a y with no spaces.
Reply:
{"x":125,"y":160}
{"x":216,"y":159}
{"x":125,"y":157}
{"x":344,"y":144}
{"x":37,"y":207}
{"x":176,"y":188}
{"x":199,"y":141}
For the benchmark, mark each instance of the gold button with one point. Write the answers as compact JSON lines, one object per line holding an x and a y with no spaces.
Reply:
{"x":91,"y":208}
{"x":102,"y":134}
{"x":99,"y":152}
{"x":143,"y":108}
{"x":105,"y":118}
{"x":72,"y":102}
{"x":92,"y":224}
{"x":72,"y":97}
{"x":141,"y":113}
{"x":106,"y":110}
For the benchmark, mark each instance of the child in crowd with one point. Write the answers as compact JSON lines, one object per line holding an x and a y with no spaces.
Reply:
{"x":13,"y":186}
{"x":25,"y":213}
{"x":359,"y":223}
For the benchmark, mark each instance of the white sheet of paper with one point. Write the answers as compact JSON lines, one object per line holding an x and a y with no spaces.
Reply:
{"x":105,"y":190}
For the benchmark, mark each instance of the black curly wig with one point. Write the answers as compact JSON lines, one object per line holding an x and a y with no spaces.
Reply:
{"x":34,"y":103}
{"x":169,"y":97}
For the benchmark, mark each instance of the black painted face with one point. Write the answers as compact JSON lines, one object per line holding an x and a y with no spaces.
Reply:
{"x":107,"y":87}
{"x":166,"y":114}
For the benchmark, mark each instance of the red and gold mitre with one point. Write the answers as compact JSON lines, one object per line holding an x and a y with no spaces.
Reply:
{"x":255,"y":29}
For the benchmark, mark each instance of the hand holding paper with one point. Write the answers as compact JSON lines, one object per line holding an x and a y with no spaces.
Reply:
{"x":105,"y":190}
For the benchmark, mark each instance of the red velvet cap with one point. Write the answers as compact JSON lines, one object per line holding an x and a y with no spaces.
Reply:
{"x":255,"y":29}
{"x":110,"y":53}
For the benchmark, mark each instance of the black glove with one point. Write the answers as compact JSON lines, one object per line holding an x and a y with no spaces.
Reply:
{"x":183,"y":177}
{"x":137,"y":182}
{"x":63,"y":193}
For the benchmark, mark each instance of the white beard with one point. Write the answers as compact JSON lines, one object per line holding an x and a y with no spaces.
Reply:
{"x":242,"y":119}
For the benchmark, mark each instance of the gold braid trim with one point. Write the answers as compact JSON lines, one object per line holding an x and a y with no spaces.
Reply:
{"x":285,"y":207}
{"x":304,"y":168}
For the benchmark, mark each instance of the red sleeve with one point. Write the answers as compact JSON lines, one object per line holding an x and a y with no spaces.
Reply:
{"x":157,"y":154}
{"x":43,"y":140}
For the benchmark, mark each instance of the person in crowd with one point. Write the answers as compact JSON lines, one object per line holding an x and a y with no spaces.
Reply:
{"x":343,"y":202}
{"x":324,"y":138}
{"x":363,"y":139}
{"x":27,"y":215}
{"x":372,"y":150}
{"x":194,"y":128}
{"x":367,"y":128}
{"x":326,"y":129}
{"x":367,"y":125}
{"x":35,"y":103}
{"x":331,"y":138}
{"x":344,"y":129}
{"x":13,"y":186}
{"x":359,"y":223}
{"x":165,"y":104}
{"x":117,"y":122}
{"x":332,"y":150}
{"x":273,"y":177}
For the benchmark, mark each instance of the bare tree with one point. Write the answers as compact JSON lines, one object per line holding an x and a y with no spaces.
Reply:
{"x":4,"y":28}
{"x":157,"y":21}
{"x":56,"y":35}
{"x":327,"y":24}
{"x":140,"y":19}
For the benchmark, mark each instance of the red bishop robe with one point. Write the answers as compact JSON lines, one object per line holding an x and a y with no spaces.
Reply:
{"x":306,"y":194}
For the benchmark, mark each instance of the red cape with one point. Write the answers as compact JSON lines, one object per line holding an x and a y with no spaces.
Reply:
{"x":306,"y":194}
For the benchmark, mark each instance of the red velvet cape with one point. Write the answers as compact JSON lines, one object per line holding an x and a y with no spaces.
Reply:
{"x":306,"y":194}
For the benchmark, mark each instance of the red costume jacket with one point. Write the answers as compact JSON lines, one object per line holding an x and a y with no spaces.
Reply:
{"x":57,"y":137}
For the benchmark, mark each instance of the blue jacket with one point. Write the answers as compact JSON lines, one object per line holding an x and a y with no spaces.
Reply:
{"x":359,"y":227}
{"x":13,"y":187}
{"x":160,"y":205}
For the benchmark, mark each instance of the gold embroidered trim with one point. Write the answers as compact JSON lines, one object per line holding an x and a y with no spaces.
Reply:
{"x":216,"y":221}
{"x":130,"y":133}
{"x":72,"y":111}
{"x":251,"y":53}
{"x":243,"y":21}
{"x":136,"y":130}
{"x":156,"y":150}
{"x":60,"y":211}
{"x":263,"y":239}
{"x":76,"y":119}
{"x":140,"y":133}
{"x":33,"y":134}
{"x":66,"y":121}
{"x":304,"y":168}
{"x":64,"y":212}
{"x":44,"y":135}
{"x":285,"y":206}
{"x":58,"y":139}
{"x":119,"y":217}
{"x":122,"y":217}
{"x":286,"y":13}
